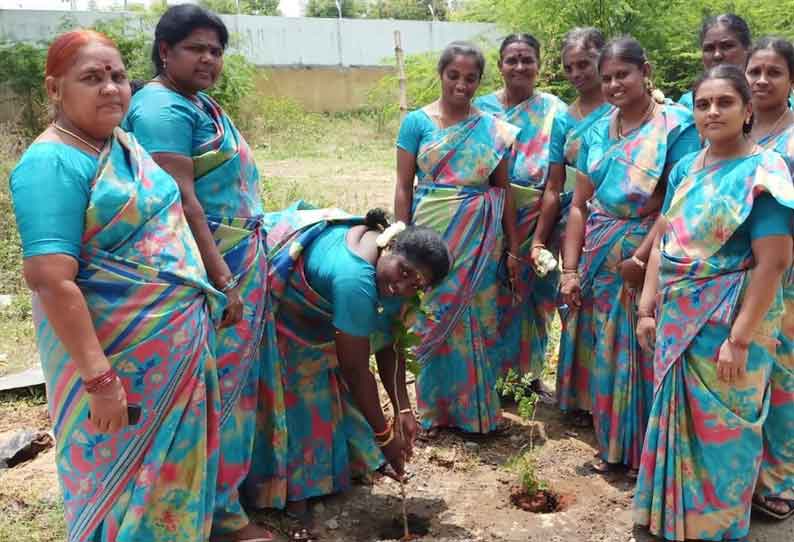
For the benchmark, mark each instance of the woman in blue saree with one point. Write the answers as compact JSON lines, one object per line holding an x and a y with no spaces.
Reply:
{"x":726,"y":242}
{"x":193,"y":139}
{"x":770,"y":70}
{"x":536,"y":176}
{"x":123,"y":313}
{"x":340,"y":284}
{"x":580,"y":50}
{"x":623,"y":162}
{"x":460,"y":156}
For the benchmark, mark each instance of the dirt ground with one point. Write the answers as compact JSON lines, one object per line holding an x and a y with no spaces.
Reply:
{"x":459,"y":491}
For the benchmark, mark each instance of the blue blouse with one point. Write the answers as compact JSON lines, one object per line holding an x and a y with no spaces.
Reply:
{"x":50,"y":189}
{"x":347,"y":281}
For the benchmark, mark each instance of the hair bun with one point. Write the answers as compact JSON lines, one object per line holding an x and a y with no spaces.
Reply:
{"x":376,"y":219}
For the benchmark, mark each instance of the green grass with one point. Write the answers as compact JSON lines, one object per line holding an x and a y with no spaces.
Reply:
{"x":27,"y":514}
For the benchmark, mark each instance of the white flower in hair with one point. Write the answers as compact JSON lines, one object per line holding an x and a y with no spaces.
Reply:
{"x":389,"y":233}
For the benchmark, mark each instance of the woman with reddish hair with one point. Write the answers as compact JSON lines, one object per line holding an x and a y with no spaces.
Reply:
{"x":123,"y":312}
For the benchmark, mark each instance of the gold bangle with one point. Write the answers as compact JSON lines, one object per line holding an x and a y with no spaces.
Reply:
{"x":407,"y":411}
{"x":384,"y":432}
{"x":538,"y":245}
{"x":385,"y":442}
{"x":511,"y":255}
{"x":645,"y":314}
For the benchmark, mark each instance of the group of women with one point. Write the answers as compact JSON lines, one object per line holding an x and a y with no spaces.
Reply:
{"x":673,"y":223}
{"x":200,"y":353}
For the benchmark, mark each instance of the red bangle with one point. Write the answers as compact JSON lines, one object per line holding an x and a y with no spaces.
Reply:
{"x":98,"y":383}
{"x":384,"y":432}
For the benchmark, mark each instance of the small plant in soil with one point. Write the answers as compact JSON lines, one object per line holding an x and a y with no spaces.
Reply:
{"x":533,"y":494}
{"x":518,"y":388}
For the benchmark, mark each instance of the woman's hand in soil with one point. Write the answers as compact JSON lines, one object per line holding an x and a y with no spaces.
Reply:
{"x":409,"y":429}
{"x":234,"y":308}
{"x":396,"y":453}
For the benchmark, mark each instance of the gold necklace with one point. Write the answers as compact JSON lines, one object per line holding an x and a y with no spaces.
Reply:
{"x":645,"y":118}
{"x":94,"y":148}
{"x":774,"y":126}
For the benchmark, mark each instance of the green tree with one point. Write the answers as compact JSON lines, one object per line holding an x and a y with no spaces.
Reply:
{"x":247,"y":7}
{"x":351,"y":9}
{"x":417,"y":10}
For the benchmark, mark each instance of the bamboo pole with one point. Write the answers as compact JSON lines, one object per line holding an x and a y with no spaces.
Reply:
{"x":398,"y":52}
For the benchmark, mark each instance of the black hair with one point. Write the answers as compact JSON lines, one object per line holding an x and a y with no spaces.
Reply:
{"x":779,"y":46}
{"x":733,"y":75}
{"x":735,"y":24}
{"x":136,"y":85}
{"x":461,"y":48}
{"x":178,"y":22}
{"x":424,"y":246}
{"x":376,"y":219}
{"x":625,"y":49}
{"x":589,"y":38}
{"x":420,"y":245}
{"x":522,"y":37}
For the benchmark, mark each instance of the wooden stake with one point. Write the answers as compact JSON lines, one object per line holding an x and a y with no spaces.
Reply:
{"x":398,"y":52}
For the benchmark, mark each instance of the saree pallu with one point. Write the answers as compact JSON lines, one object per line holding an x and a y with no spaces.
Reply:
{"x":525,"y":314}
{"x":227,"y":186}
{"x":776,"y":477}
{"x":141,"y":274}
{"x":327,"y":439}
{"x":577,"y":128}
{"x":704,"y":441}
{"x":460,"y":354}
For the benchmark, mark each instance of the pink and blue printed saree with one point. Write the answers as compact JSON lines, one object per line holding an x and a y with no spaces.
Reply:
{"x":524,"y":326}
{"x":705,"y":437}
{"x":625,"y":173}
{"x":146,"y":288}
{"x":460,"y":354}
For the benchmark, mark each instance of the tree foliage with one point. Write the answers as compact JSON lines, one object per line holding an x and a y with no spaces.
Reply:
{"x":351,"y":9}
{"x":247,"y":7}
{"x":416,"y":10}
{"x":668,"y":31}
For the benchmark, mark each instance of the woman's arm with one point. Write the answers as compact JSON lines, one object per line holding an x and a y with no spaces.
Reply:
{"x":550,"y":205}
{"x":391,"y":368}
{"x":181,"y":169}
{"x":574,"y":230}
{"x":646,"y":311}
{"x":773,"y":257}
{"x":404,"y":190}
{"x":51,"y":278}
{"x":353,"y":354}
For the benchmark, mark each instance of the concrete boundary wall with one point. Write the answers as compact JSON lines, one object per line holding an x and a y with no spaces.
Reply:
{"x":277,"y":41}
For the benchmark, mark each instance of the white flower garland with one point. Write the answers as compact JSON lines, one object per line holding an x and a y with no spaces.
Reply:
{"x":389,"y":233}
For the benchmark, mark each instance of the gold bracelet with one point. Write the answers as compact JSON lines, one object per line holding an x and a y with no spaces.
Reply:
{"x":407,"y":411}
{"x":385,"y":442}
{"x":538,"y":245}
{"x":511,"y":255}
{"x":384,"y":432}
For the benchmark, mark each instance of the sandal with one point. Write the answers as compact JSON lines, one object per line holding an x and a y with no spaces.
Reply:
{"x":599,"y":466}
{"x":760,"y":504}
